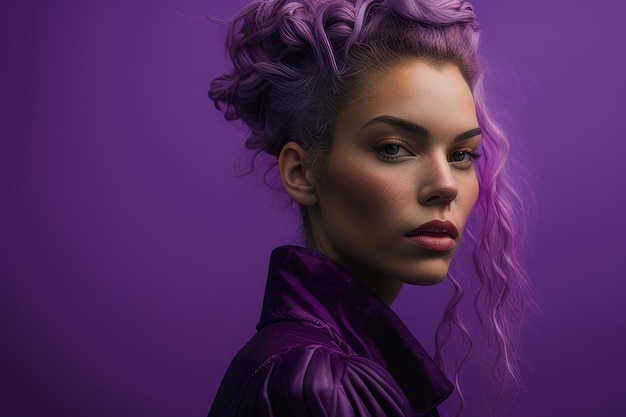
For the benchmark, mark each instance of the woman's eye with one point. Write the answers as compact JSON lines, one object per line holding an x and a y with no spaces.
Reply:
{"x":391,"y":152}
{"x":463,"y":156}
{"x":391,"y":149}
{"x":460,"y":156}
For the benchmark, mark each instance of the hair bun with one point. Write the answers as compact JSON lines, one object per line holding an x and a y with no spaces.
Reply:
{"x":287,"y":54}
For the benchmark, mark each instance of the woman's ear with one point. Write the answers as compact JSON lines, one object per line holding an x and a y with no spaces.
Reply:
{"x":296,"y":174}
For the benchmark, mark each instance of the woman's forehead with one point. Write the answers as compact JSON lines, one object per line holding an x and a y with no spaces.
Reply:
{"x":419,"y":93}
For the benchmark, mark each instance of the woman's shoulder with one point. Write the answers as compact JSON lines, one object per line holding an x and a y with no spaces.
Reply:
{"x":286,"y":371}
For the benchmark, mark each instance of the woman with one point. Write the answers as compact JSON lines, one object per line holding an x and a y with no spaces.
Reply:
{"x":375,"y":113}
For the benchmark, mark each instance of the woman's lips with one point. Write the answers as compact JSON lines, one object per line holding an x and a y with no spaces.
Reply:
{"x":430,"y":242}
{"x":436,"y":235}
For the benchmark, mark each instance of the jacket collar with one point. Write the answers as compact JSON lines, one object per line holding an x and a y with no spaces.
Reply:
{"x":306,"y":285}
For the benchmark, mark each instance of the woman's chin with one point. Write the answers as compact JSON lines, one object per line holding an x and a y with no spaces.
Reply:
{"x":427,"y":281}
{"x":426,"y":275}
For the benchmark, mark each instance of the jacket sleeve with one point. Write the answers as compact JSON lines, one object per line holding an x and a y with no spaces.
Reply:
{"x":314,"y":381}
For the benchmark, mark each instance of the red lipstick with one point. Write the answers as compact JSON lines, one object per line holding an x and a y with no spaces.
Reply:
{"x":436,"y":235}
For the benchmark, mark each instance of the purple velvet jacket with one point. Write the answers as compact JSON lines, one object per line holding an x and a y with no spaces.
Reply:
{"x":327,"y":346}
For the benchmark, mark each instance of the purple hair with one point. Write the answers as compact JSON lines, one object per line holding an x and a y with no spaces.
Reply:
{"x":297,"y":62}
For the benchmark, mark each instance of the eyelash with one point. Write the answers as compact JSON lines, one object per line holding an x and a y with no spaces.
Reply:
{"x":473,"y":156}
{"x":386,"y":157}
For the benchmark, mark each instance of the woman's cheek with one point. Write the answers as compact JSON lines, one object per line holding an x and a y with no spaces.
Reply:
{"x":470,"y":189}
{"x":372,"y":191}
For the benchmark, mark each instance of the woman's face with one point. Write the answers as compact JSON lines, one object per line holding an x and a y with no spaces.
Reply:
{"x":399,"y":180}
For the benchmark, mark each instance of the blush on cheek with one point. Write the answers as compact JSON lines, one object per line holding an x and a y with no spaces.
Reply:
{"x":471,"y":190}
{"x":369,"y":192}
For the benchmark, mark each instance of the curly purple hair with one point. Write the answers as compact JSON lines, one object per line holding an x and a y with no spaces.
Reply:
{"x":297,"y":62}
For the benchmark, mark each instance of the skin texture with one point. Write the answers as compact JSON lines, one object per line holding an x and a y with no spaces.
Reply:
{"x":381,"y":180}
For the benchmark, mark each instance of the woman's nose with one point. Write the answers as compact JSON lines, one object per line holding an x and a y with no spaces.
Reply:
{"x":438,"y":185}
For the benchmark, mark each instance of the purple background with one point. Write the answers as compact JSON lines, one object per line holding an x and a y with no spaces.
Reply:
{"x":133,"y":259}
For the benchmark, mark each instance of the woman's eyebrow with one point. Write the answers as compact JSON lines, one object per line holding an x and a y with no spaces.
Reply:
{"x":417,"y":129}
{"x":401,"y":123}
{"x":468,"y":135}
